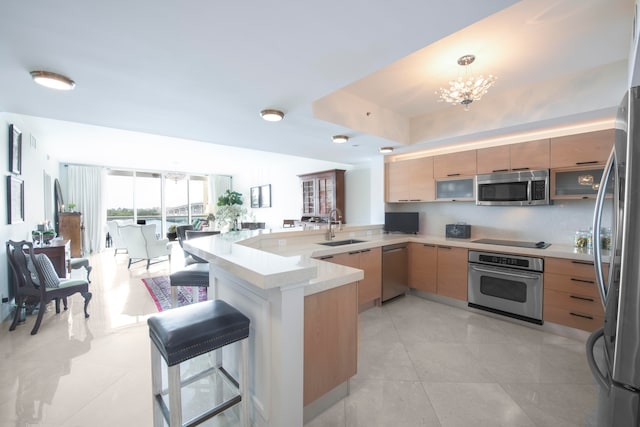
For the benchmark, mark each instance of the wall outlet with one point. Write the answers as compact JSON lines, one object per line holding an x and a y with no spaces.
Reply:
{"x":5,"y":299}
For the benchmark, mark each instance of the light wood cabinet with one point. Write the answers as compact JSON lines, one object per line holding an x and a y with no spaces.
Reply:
{"x":423,"y":267}
{"x":322,"y":192}
{"x":370,"y":261}
{"x":70,"y":227}
{"x":330,"y":340}
{"x":570,"y":294}
{"x":410,"y":180}
{"x":590,"y":148}
{"x":452,"y":272}
{"x":462,"y":163}
{"x":531,"y":155}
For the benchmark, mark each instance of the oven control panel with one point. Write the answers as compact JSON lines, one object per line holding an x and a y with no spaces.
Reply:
{"x":513,"y":261}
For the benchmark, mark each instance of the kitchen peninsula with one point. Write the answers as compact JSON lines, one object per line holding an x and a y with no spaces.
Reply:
{"x":300,"y":305}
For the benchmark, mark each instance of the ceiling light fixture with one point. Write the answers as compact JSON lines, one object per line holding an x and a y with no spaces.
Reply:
{"x":339,"y":139}
{"x":466,"y":89}
{"x":52,"y":80}
{"x":385,"y":150}
{"x":272,"y":115}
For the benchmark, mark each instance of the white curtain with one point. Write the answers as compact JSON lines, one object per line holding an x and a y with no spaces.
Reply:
{"x":218,"y":184}
{"x":86,"y":188}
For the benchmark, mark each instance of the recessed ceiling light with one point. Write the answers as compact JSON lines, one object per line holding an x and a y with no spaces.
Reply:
{"x":385,"y":150}
{"x":52,"y":80}
{"x":272,"y":115}
{"x":340,"y":139}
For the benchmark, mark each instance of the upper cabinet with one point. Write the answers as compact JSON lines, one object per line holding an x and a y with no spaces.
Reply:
{"x":462,"y":163}
{"x":322,"y":192}
{"x":410,"y":180}
{"x":530,"y":155}
{"x":583,"y":149}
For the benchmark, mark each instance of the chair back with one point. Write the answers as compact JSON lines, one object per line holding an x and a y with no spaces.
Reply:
{"x":114,"y":231}
{"x":181,"y":231}
{"x":134,"y":240}
{"x":23,"y":283}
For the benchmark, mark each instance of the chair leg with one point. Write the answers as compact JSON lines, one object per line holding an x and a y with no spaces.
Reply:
{"x":129,"y":266}
{"x":148,"y":263}
{"x":87,"y":297}
{"x":41,"y":311}
{"x":65,"y":303}
{"x":89,"y":268}
{"x":16,"y":317}
{"x":57,"y":301}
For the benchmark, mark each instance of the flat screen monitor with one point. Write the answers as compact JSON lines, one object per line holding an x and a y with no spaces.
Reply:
{"x":401,"y":222}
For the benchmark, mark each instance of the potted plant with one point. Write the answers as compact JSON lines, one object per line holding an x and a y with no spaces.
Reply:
{"x":71,"y":206}
{"x":230,"y":210}
{"x":172,"y":233}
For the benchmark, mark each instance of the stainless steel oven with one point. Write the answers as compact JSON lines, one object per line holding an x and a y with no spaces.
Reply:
{"x":506,"y":284}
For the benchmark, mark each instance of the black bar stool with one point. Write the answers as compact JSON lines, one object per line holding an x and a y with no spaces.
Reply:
{"x":181,"y":334}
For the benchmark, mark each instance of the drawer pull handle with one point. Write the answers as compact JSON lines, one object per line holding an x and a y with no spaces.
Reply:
{"x":520,"y":169}
{"x":581,"y":298}
{"x":366,"y":250}
{"x":581,"y":315}
{"x":582,"y":263}
{"x":573,"y":279}
{"x":444,"y":247}
{"x":427,"y":245}
{"x":592,"y":162}
{"x":354,"y":252}
{"x":453,"y":174}
{"x":326,"y":257}
{"x":500,"y":170}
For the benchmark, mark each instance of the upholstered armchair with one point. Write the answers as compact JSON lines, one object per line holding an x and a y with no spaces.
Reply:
{"x":142,"y":244}
{"x":117,"y":241}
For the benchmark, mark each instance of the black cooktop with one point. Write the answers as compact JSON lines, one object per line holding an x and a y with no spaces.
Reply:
{"x":533,"y":245}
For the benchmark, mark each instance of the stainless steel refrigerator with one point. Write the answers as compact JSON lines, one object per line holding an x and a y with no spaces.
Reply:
{"x":618,"y":370}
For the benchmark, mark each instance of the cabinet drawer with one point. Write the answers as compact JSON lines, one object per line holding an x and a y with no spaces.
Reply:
{"x":573,"y":319}
{"x":570,"y":267}
{"x":571,"y":284}
{"x":576,"y":303}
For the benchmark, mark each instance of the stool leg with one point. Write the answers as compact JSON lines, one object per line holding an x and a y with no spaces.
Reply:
{"x":174,"y":296}
{"x":243,"y":381}
{"x":175,"y":396}
{"x":156,"y":385}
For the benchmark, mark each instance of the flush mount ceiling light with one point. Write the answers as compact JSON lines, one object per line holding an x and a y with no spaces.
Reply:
{"x":466,"y":88}
{"x":272,"y":115}
{"x":52,"y":80}
{"x":385,"y":150}
{"x":339,"y":139}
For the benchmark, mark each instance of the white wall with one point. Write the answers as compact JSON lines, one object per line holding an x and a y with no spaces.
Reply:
{"x":35,"y":162}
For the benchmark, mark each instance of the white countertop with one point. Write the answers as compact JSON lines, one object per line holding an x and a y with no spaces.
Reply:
{"x":279,"y":258}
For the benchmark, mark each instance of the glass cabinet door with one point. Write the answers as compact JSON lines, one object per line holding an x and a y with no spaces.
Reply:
{"x":575,"y":183}
{"x":455,"y":189}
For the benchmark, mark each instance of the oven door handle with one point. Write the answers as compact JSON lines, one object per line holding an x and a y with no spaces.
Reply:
{"x":505,"y":273}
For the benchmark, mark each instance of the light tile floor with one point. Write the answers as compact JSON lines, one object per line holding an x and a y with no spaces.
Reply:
{"x":421,"y":363}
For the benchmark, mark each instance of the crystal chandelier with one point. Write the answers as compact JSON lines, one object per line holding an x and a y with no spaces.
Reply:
{"x":466,"y":89}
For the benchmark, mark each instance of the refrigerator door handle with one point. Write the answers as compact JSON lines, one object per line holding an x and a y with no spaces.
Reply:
{"x":597,"y":373}
{"x":597,"y":222}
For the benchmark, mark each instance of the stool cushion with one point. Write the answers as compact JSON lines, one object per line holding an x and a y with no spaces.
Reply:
{"x":192,"y":275}
{"x":189,"y":331}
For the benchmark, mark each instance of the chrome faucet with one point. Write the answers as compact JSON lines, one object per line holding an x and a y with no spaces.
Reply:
{"x":335,"y":212}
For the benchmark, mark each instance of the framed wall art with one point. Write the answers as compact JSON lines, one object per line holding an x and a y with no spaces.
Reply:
{"x":15,"y":150}
{"x":265,"y":196}
{"x":255,"y":197}
{"x":15,"y":199}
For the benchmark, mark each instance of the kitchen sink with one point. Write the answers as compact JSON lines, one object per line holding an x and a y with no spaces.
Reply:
{"x":342,"y":242}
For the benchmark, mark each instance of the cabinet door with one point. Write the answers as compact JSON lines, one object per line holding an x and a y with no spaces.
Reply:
{"x":452,"y":272}
{"x":370,"y":288}
{"x":326,"y":194}
{"x":455,"y":189}
{"x":397,"y":178}
{"x":455,"y":164}
{"x":423,"y":267}
{"x":530,"y":155}
{"x":421,"y":183}
{"x":309,"y":197}
{"x":583,"y":149}
{"x":494,"y":159}
{"x":575,"y":183}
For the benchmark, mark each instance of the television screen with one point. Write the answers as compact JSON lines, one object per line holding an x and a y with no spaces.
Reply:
{"x":401,"y":222}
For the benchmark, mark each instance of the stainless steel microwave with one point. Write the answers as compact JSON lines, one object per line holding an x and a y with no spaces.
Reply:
{"x":523,"y":188}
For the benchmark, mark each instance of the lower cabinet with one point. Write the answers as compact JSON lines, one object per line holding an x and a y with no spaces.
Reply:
{"x":370,"y":261}
{"x":570,"y":294}
{"x":452,"y":272}
{"x":330,"y":340}
{"x":423,"y":267}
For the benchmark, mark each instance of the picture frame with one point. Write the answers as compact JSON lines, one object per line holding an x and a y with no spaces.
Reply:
{"x":265,"y":196}
{"x":15,"y":199}
{"x":15,"y":150}
{"x":255,"y":197}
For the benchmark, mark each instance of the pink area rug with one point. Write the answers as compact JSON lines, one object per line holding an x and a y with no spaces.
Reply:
{"x":160,"y":291}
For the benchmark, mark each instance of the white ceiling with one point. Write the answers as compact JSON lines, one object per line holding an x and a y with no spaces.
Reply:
{"x":202,"y":70}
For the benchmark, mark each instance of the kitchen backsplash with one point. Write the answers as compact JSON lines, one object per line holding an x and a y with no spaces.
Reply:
{"x":555,"y":223}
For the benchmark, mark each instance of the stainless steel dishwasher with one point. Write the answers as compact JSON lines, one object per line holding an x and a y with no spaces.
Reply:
{"x":395,"y":280}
